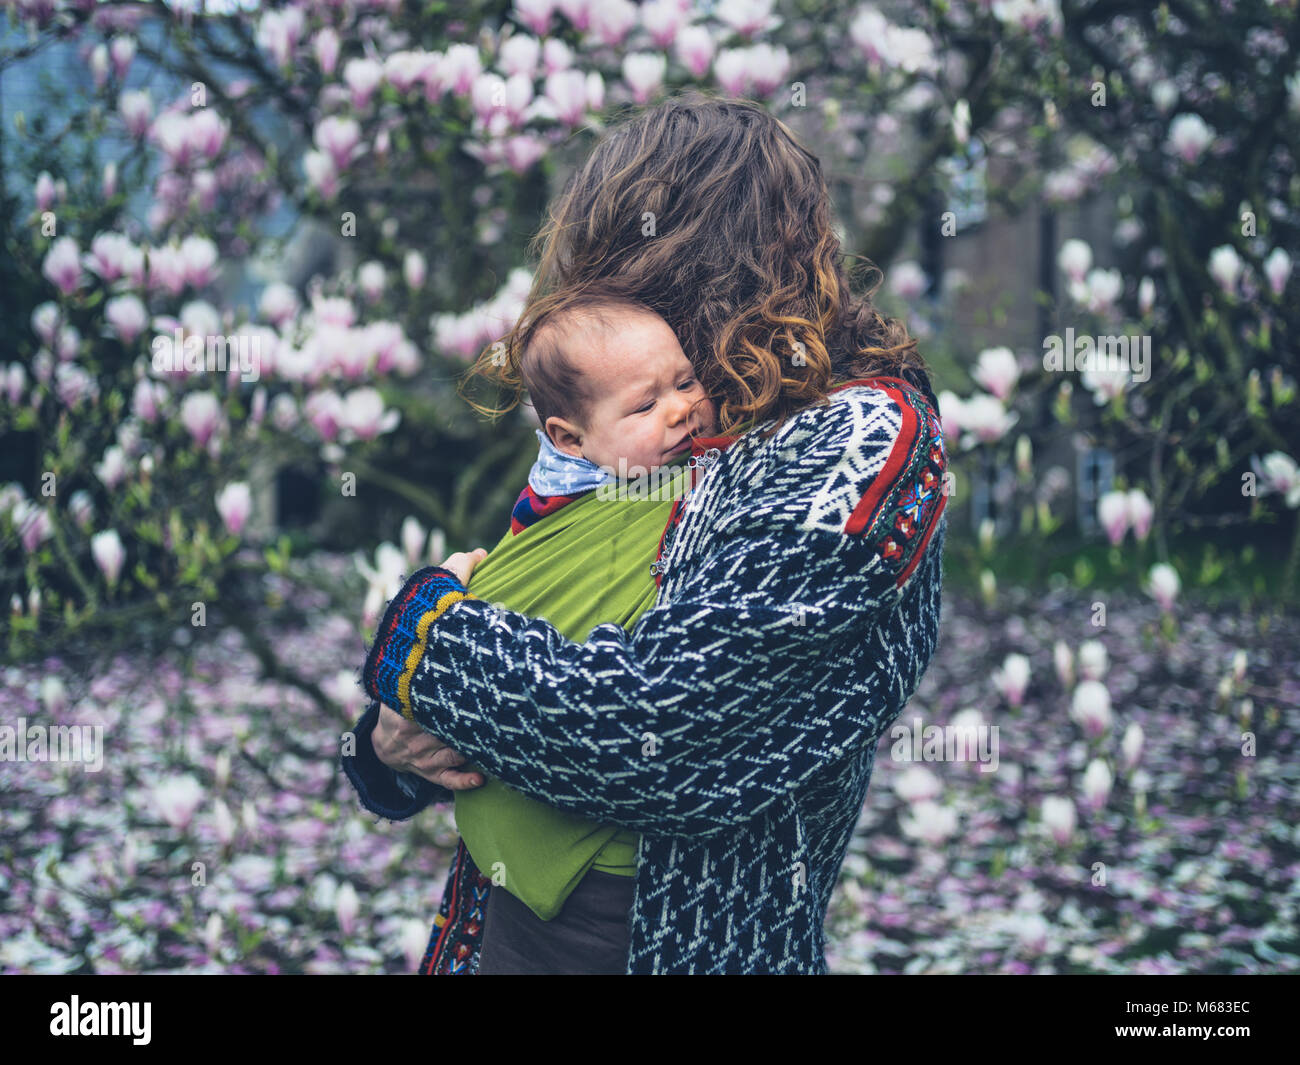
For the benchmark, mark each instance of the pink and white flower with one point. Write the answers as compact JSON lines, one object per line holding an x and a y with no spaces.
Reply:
{"x":234,"y":504}
{"x":62,"y":266}
{"x":109,"y":554}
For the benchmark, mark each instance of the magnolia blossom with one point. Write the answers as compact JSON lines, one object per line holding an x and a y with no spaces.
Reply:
{"x":74,"y":385}
{"x":108,"y":255}
{"x":346,"y":907}
{"x":127,"y":316}
{"x":1140,"y":513}
{"x":1058,"y":816}
{"x":62,"y":266}
{"x":917,"y":784}
{"x":1131,"y":744}
{"x":413,"y":537}
{"x":15,"y":381}
{"x":1163,"y":585}
{"x":1012,"y":679}
{"x":363,"y":77}
{"x":54,"y":694}
{"x":325,"y":46}
{"x":1281,"y":474}
{"x":372,"y":278}
{"x":612,"y":20}
{"x":325,"y":411}
{"x":224,"y":823}
{"x":201,"y":415}
{"x":111,"y":469}
{"x":234,"y":502}
{"x":1074,"y":259}
{"x":986,"y":419}
{"x":556,"y":55}
{"x":694,"y":50}
{"x":644,"y":73}
{"x":1090,"y":708}
{"x":930,"y":822}
{"x":1063,"y":661}
{"x":1093,"y":661}
{"x":33,"y":524}
{"x":45,"y":321}
{"x":519,"y":54}
{"x":1104,"y":288}
{"x":1277,"y":268}
{"x":384,"y":579}
{"x":908,"y":281}
{"x":1113,"y":514}
{"x":950,"y":414}
{"x":1097,"y":782}
{"x":279,"y":32}
{"x":1164,"y":94}
{"x":364,"y":416}
{"x":284,"y":412}
{"x":136,"y":108}
{"x":412,"y":938}
{"x":1105,"y":384}
{"x":461,"y":66}
{"x":898,"y":47}
{"x":535,"y":14}
{"x":567,"y":92}
{"x":109,"y":554}
{"x":322,"y":175}
{"x":167,"y":269}
{"x":747,"y":17}
{"x":176,"y":799}
{"x":338,"y":138}
{"x":414,"y":269}
{"x":731,"y":70}
{"x":1189,"y":136}
{"x":769,"y":67}
{"x":1225,"y":267}
{"x":663,"y":20}
{"x":82,"y":508}
{"x":278,"y":304}
{"x":1146,"y":295}
{"x":147,"y":399}
{"x":996,"y":371}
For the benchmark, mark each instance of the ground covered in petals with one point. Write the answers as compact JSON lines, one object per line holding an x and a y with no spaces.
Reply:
{"x":219,"y":834}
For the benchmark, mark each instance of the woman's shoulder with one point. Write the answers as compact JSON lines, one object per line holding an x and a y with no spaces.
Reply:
{"x":870,"y":463}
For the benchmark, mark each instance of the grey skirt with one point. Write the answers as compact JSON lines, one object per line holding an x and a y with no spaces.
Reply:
{"x":590,"y":936}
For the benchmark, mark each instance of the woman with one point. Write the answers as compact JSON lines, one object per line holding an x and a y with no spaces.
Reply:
{"x":735,"y":727}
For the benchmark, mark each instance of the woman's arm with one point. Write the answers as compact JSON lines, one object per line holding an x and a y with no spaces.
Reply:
{"x":681,"y":727}
{"x":382,"y":790}
{"x":686,"y":725}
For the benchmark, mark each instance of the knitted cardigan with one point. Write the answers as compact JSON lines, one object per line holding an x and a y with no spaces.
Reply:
{"x":735,"y":727}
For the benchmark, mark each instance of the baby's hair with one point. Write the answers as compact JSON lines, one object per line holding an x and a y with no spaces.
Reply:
{"x":555,"y":386}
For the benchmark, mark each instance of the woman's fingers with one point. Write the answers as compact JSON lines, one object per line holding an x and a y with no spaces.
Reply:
{"x":405,"y":746}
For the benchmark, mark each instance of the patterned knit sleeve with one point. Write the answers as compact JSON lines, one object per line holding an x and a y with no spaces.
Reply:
{"x":690,"y":724}
{"x":384,"y":791}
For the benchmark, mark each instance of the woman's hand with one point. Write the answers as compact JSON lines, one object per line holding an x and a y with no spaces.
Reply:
{"x":462,"y":563}
{"x":405,"y":746}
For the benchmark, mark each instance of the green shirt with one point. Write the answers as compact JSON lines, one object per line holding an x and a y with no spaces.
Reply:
{"x":586,"y":564}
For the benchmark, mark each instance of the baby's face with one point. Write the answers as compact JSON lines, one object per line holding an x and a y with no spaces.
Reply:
{"x":648,"y":403}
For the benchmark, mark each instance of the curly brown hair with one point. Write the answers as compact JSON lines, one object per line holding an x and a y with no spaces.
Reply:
{"x":710,"y":212}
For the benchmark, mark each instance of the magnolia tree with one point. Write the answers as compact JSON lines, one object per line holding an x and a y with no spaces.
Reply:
{"x":147,"y":405}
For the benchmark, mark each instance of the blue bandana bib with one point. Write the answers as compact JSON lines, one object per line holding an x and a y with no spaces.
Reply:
{"x":557,"y":474}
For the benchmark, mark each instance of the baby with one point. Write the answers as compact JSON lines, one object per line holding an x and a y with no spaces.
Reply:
{"x":613,"y":391}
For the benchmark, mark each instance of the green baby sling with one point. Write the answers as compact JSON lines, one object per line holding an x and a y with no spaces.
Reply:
{"x":585,"y":564}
